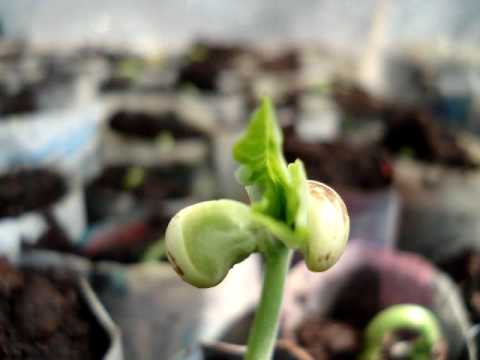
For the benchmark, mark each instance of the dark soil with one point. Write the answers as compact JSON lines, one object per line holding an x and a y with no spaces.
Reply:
{"x":116,"y":84}
{"x":329,"y":340}
{"x":341,"y":164}
{"x":355,"y":101}
{"x":339,"y":335}
{"x":205,"y":64}
{"x":159,"y":182}
{"x":464,"y":268}
{"x":128,"y":243}
{"x":55,"y":238}
{"x":418,"y":134}
{"x":287,"y":61}
{"x":42,"y":316}
{"x":29,"y":190}
{"x":148,"y":126}
{"x":21,"y":102}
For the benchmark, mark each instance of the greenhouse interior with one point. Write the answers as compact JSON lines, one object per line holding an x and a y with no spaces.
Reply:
{"x":212,"y":180}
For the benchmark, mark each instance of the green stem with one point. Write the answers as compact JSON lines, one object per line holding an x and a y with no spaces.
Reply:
{"x":263,"y":334}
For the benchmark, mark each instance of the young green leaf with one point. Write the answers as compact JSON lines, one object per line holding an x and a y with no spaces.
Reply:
{"x":278,"y":191}
{"x":263,"y":169}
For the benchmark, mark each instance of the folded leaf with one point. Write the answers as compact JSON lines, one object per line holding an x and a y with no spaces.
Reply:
{"x":276,"y":191}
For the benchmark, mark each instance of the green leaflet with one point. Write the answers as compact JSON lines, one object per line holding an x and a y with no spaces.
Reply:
{"x":278,"y":191}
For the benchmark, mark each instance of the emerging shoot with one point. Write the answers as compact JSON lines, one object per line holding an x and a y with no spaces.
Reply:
{"x":287,"y":212}
{"x":403,"y":331}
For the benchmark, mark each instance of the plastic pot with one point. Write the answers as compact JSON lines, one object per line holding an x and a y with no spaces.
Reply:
{"x":68,"y":139}
{"x":68,"y":213}
{"x":121,"y":149}
{"x":440,"y":215}
{"x":159,"y":314}
{"x":374,"y":215}
{"x":43,"y":260}
{"x":367,"y":280}
{"x":168,"y":187}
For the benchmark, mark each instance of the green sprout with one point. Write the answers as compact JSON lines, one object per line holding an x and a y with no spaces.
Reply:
{"x":134,"y":177}
{"x":287,"y":212}
{"x":403,"y":317}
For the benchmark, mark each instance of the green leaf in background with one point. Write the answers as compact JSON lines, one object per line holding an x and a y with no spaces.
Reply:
{"x":134,"y":177}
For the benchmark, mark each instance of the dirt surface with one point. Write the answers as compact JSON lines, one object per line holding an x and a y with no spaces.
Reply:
{"x":331,"y":340}
{"x":340,"y":164}
{"x":205,"y":63}
{"x":157,"y":182}
{"x":149,"y":126}
{"x":118,"y":83}
{"x":42,"y":316}
{"x":286,"y":61}
{"x":121,"y":189}
{"x":29,"y":190}
{"x":21,"y":102}
{"x":355,"y":101}
{"x":416,"y":133}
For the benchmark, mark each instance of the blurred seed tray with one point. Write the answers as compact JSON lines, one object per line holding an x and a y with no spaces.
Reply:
{"x":154,"y":130}
{"x":122,"y":189}
{"x":104,"y":337}
{"x":39,"y":208}
{"x":367,"y":280}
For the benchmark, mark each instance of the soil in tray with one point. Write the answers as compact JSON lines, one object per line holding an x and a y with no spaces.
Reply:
{"x":29,"y":190}
{"x":416,"y":133}
{"x":206,"y":62}
{"x":35,"y":190}
{"x":329,"y":340}
{"x":144,"y":182}
{"x":355,"y":101}
{"x":149,"y":126}
{"x":42,"y":316}
{"x":341,"y":164}
{"x":116,"y":84}
{"x":339,"y":335}
{"x":21,"y":102}
{"x":287,"y":61}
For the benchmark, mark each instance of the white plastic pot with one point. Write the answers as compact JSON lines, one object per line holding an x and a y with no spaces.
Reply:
{"x":160,"y":315}
{"x":67,"y":139}
{"x":441,"y":209}
{"x":68,"y":212}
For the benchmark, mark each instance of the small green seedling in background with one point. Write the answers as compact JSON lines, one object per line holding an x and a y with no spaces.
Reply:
{"x":134,"y":177}
{"x":287,"y":212}
{"x":407,"y":317}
